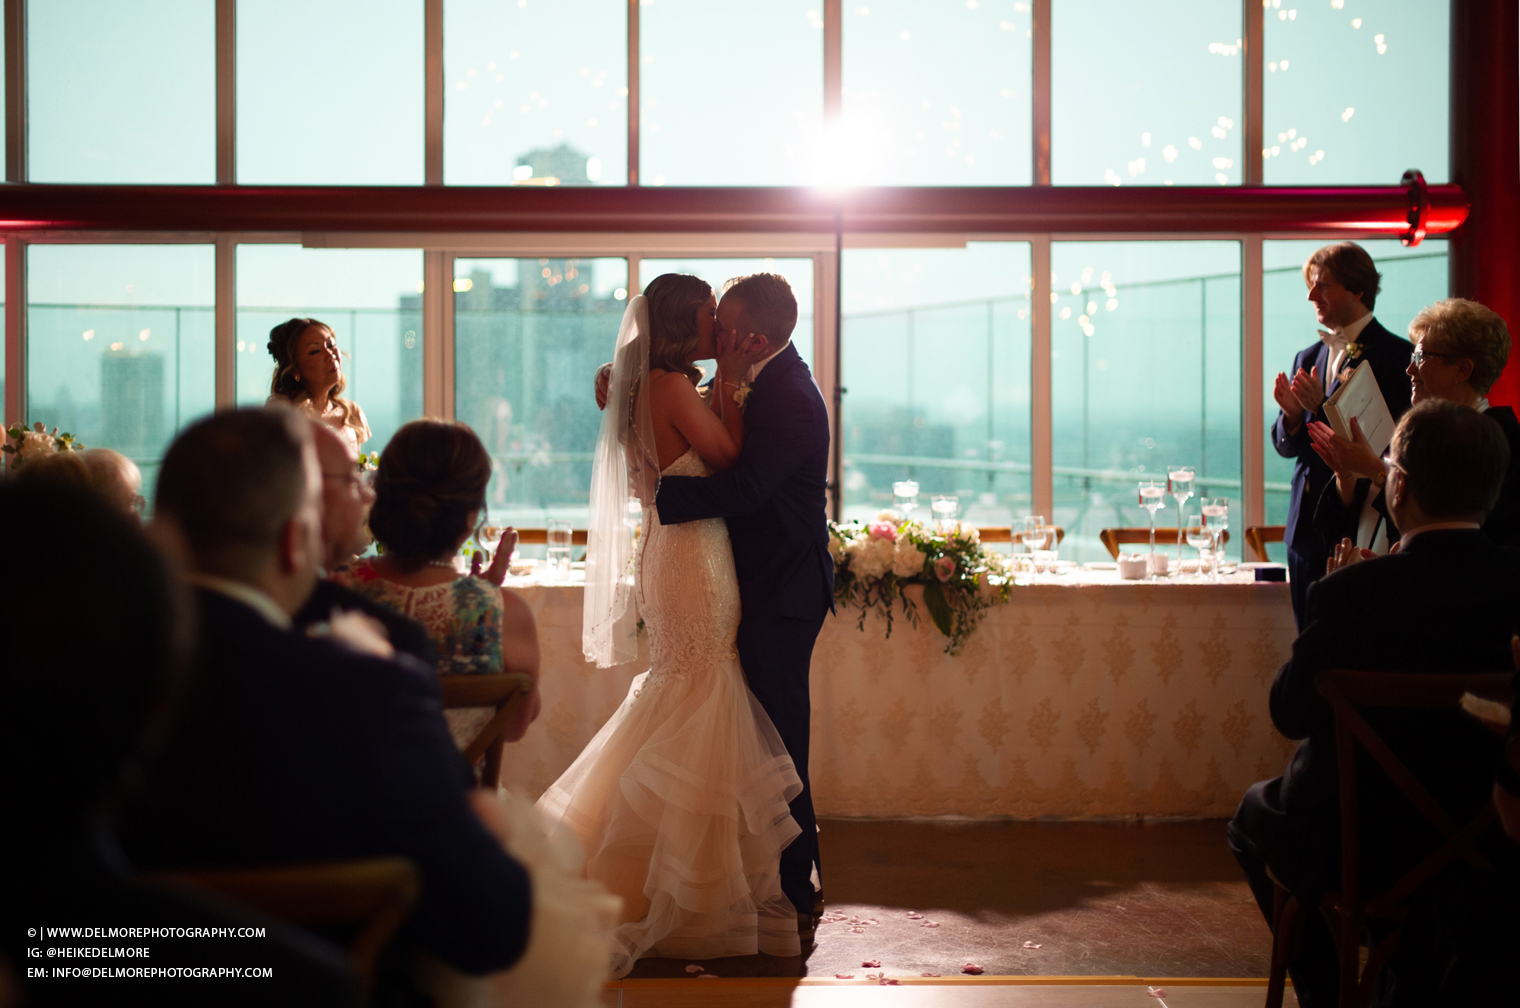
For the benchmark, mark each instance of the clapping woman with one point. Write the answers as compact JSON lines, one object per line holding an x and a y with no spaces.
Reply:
{"x":308,"y":374}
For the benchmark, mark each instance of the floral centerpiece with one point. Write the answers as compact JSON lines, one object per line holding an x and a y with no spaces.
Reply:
{"x":874,"y":561}
{"x":24,"y":443}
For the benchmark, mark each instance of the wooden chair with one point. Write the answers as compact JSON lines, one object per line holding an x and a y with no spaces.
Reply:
{"x":1113,"y":538}
{"x":1347,"y":909}
{"x":507,"y":692}
{"x":374,"y":896}
{"x":1005,"y":534}
{"x":1257,"y":537}
{"x":540,"y":537}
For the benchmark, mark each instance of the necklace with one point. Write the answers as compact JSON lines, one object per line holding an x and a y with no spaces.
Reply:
{"x":440,"y":563}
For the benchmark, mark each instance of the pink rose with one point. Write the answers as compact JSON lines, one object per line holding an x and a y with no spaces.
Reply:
{"x":944,"y":568}
{"x":883,"y":530}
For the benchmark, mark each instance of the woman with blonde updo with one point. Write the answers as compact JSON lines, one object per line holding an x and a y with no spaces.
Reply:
{"x":308,"y":374}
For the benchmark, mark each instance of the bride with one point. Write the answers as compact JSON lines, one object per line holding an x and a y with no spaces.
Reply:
{"x":680,"y":801}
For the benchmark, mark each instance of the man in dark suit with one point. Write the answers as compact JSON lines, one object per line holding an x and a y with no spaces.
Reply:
{"x":1447,"y":601}
{"x":296,"y":750}
{"x":1343,"y":284}
{"x":774,"y":500}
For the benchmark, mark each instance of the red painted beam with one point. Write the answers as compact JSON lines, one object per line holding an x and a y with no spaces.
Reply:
{"x":1351,"y":210}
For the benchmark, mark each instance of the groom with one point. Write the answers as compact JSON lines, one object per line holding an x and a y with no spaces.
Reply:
{"x":775,"y":505}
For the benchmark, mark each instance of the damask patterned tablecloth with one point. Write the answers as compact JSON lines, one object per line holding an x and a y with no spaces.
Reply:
{"x":1085,"y":698}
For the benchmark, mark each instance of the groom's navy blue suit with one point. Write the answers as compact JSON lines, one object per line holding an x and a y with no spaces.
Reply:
{"x":774,"y":500}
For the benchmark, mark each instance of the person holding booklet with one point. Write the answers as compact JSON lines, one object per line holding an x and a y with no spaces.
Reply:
{"x":1343,"y":284}
{"x":1460,"y":350}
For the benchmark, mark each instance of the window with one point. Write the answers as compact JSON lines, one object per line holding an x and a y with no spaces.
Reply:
{"x":798,"y":273}
{"x":370,"y":299}
{"x":529,"y":335}
{"x":121,"y":92}
{"x":1145,"y":373}
{"x":1355,"y":92}
{"x":1412,"y":279}
{"x":935,"y":358}
{"x":732,"y":93}
{"x":529,"y":98}
{"x":120,"y":344}
{"x":330,"y":93}
{"x":936,"y":95}
{"x":1145,"y":95}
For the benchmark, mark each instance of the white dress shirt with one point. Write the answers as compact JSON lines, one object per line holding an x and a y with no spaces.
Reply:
{"x":1336,"y":340}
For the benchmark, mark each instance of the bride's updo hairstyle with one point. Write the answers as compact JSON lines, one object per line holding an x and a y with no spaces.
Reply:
{"x":432,"y":479}
{"x":674,"y":299}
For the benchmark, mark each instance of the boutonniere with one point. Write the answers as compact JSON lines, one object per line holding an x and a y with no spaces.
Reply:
{"x":1353,"y":350}
{"x":741,"y":394}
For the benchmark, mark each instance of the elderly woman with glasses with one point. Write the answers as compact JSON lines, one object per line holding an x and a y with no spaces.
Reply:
{"x":1460,"y":348}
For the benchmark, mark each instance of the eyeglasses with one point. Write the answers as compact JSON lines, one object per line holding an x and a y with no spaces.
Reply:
{"x":1420,"y":355}
{"x":139,"y":503}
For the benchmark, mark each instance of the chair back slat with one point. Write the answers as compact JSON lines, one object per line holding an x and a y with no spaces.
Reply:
{"x":1113,"y":538}
{"x":540,"y":536}
{"x":1257,"y":537}
{"x":1418,"y":689}
{"x":507,"y":692}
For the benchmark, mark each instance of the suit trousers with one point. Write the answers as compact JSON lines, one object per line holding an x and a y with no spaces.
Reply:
{"x":777,"y":653}
{"x":1303,"y":570}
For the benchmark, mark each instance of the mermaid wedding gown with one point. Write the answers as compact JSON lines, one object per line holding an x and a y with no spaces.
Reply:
{"x":680,"y":801}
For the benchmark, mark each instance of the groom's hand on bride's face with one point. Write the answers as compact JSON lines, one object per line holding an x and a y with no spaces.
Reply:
{"x":603,"y":382}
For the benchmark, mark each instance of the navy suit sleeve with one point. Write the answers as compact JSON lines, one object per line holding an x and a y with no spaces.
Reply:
{"x":1296,"y":705}
{"x":778,"y":438}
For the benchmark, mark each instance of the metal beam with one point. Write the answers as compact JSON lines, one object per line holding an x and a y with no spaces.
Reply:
{"x":1252,"y":422}
{"x":1041,"y":432}
{"x":1253,"y":91}
{"x":15,"y":331}
{"x":15,"y":90}
{"x":226,"y":92}
{"x":1367,"y":211}
{"x":433,"y":90}
{"x":633,"y":92}
{"x":1040,"y":91}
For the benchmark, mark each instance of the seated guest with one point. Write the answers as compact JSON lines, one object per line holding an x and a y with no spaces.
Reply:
{"x":346,"y":499}
{"x":81,"y":709}
{"x":1460,"y":350}
{"x":308,"y":374}
{"x":116,"y":477}
{"x":1447,"y":601}
{"x":430,"y":493}
{"x":292,"y":749}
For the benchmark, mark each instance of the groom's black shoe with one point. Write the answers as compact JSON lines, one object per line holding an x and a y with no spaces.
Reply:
{"x":807,"y":926}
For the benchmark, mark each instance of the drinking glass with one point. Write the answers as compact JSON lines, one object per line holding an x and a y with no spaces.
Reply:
{"x":1216,"y":514}
{"x":1151,"y":494}
{"x":945,"y":507}
{"x":1179,"y":483}
{"x":1017,"y":548}
{"x":905,"y":497}
{"x":559,"y":547}
{"x":1198,"y":537}
{"x":1037,"y":536}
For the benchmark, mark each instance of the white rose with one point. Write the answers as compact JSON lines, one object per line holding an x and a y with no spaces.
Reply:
{"x":907,"y":559}
{"x":873,"y":559}
{"x":837,"y":550}
{"x":34,"y":443}
{"x":967,"y":533}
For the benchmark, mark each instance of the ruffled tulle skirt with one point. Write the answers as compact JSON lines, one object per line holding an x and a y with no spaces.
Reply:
{"x":680,"y":803}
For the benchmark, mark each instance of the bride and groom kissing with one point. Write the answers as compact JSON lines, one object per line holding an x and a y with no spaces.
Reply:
{"x":708,"y":527}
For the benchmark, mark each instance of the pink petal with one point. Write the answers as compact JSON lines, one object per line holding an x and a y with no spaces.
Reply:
{"x":972,"y":968}
{"x":857,"y":930}
{"x":707,"y":976}
{"x":872,"y":964}
{"x":930,"y":974}
{"x":928,"y":924}
{"x":693,"y":969}
{"x":915,"y":915}
{"x":1031,"y":945}
{"x":1156,"y":992}
{"x":885,"y":982}
{"x":844,"y":976}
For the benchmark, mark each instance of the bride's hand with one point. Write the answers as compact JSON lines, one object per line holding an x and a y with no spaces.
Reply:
{"x":497,"y":572}
{"x":736,"y":354}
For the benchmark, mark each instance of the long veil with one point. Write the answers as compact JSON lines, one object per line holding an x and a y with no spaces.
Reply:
{"x":624,"y":478}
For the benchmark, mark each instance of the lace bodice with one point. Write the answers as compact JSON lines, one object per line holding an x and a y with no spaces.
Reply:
{"x":463,"y":617}
{"x":687,"y":589}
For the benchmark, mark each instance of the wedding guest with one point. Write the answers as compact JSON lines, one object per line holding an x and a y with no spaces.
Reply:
{"x":295,"y":750}
{"x":308,"y":374}
{"x":1447,"y":601}
{"x":1460,"y":350}
{"x":116,"y":477}
{"x":81,"y":713}
{"x":430,"y":494}
{"x":346,"y":500}
{"x":1343,"y":284}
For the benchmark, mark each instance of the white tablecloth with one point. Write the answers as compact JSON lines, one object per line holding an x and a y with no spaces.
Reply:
{"x":1081,"y":698}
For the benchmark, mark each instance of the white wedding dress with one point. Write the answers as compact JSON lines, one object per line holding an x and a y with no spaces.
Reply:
{"x":680,"y":801}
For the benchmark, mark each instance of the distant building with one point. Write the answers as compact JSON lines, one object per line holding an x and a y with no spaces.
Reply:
{"x":562,"y":165}
{"x":132,"y":402}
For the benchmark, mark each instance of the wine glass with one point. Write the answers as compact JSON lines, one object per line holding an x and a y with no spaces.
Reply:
{"x":1216,"y":514}
{"x":1179,"y":483}
{"x":1151,"y":494}
{"x":559,"y":547}
{"x":1036,"y":537}
{"x":1198,"y":537}
{"x":945,"y":507}
{"x":905,"y":497}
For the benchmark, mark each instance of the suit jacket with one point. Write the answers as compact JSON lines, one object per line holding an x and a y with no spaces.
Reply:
{"x":774,"y":498}
{"x":1447,"y":602}
{"x":405,"y":633}
{"x":293,"y":750}
{"x":1389,"y":356}
{"x":1334,"y":521}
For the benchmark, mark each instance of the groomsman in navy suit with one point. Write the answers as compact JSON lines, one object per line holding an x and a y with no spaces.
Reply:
{"x":1343,"y":283}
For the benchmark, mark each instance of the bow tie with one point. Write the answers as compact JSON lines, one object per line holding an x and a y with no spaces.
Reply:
{"x":1336,"y":341}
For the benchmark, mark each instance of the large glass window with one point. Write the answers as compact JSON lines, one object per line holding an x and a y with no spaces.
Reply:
{"x":1145,"y":95}
{"x":1412,"y":279}
{"x":935,"y":362}
{"x":1145,"y":373}
{"x":121,"y":92}
{"x":936,"y":95}
{"x":1355,"y":92}
{"x":330,"y":93}
{"x":529,"y":335}
{"x":372,"y":301}
{"x":732,"y":93}
{"x":535,"y":92}
{"x":798,"y":273}
{"x":121,"y":344}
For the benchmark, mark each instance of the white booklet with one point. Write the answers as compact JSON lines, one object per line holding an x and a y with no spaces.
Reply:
{"x":1360,"y":397}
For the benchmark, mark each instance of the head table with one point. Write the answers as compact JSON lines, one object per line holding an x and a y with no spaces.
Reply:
{"x":1083,"y":696}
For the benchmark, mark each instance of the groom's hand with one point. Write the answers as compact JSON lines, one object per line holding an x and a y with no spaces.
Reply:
{"x":603,"y":381}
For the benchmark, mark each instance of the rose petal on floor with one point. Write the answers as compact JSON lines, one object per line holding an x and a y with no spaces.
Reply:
{"x":930,"y":974}
{"x":887,"y":982}
{"x":707,"y":976}
{"x":972,"y":968}
{"x":872,"y":964}
{"x":844,"y":976}
{"x":1031,"y":945}
{"x":694,"y":969}
{"x":914,"y":915}
{"x":929,"y":924}
{"x":1156,"y":992}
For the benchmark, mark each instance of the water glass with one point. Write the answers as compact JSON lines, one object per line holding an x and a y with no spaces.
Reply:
{"x":1216,"y":514}
{"x":1036,"y":534}
{"x":905,"y":497}
{"x":559,"y":547}
{"x":1198,"y":536}
{"x":945,"y":508}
